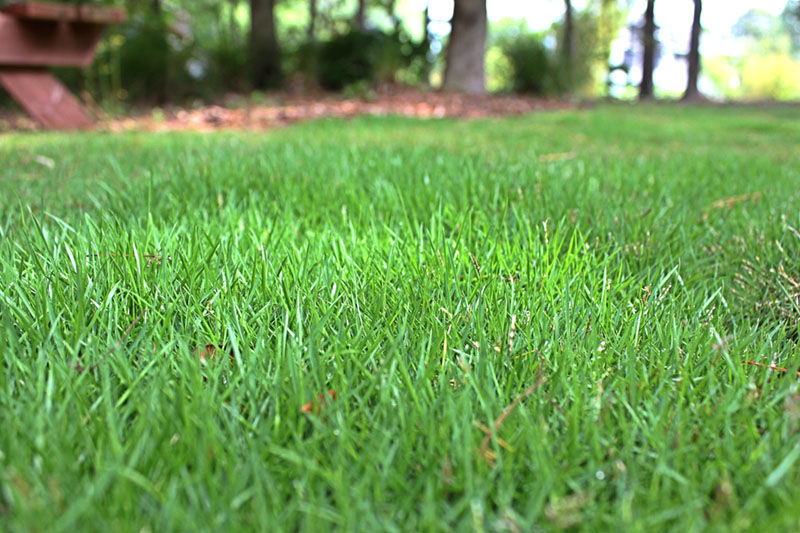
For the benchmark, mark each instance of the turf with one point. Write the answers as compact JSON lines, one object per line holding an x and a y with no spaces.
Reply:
{"x":584,"y":287}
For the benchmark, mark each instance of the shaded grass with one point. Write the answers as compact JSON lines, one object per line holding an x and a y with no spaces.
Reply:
{"x":429,"y":273}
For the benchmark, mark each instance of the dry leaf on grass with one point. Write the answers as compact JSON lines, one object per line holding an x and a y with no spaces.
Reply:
{"x":319,"y":403}
{"x":211,"y":352}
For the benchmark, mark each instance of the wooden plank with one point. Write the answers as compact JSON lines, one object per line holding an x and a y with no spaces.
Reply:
{"x":44,"y":98}
{"x":47,"y":43}
{"x":65,"y":12}
{"x":101,"y":15}
{"x":41,"y":11}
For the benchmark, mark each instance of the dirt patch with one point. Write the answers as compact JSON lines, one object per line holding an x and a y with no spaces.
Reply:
{"x":237,"y":113}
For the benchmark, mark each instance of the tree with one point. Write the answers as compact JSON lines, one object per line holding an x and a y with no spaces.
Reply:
{"x":312,"y":21}
{"x":361,"y":15}
{"x":426,"y":20}
{"x":694,"y":54}
{"x":765,"y":33}
{"x":466,"y":51}
{"x":391,"y":10}
{"x":791,"y":21}
{"x":569,"y":42}
{"x":649,"y":55}
{"x":265,"y":54}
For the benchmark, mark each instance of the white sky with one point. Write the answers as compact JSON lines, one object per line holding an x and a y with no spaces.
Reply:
{"x":718,"y":15}
{"x":674,"y":18}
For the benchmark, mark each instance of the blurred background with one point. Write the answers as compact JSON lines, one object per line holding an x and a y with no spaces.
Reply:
{"x":200,"y":51}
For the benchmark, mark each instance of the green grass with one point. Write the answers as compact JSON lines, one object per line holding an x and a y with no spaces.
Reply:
{"x":429,"y":273}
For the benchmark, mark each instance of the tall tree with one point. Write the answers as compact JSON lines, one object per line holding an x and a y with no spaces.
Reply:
{"x":361,"y":15}
{"x":466,"y":51}
{"x":265,"y":54}
{"x":791,"y":20}
{"x":426,"y":20}
{"x":692,"y":93}
{"x":233,"y":24}
{"x":569,"y":42}
{"x":391,"y":10}
{"x":649,"y":55}
{"x":312,"y":20}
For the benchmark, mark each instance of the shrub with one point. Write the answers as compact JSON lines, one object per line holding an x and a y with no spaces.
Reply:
{"x":347,"y":59}
{"x":361,"y":56}
{"x":532,"y":68}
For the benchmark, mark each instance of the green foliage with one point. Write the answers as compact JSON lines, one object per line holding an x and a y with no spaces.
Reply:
{"x":791,"y":21}
{"x":146,"y":57}
{"x":770,"y":76}
{"x":761,"y":30}
{"x":533,"y":69}
{"x":348,"y":58}
{"x":368,"y":56}
{"x":770,"y":67}
{"x":596,"y":28}
{"x":518,"y":59}
{"x":539,"y":69}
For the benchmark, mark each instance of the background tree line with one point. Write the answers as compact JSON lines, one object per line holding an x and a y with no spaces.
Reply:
{"x":174,"y":50}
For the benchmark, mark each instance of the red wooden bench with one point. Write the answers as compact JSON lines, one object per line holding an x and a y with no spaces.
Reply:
{"x":38,"y":35}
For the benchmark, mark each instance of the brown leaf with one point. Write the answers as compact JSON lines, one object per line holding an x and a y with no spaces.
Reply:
{"x":320,"y":402}
{"x":211,"y":352}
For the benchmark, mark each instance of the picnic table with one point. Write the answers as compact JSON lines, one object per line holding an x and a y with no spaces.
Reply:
{"x":38,"y":35}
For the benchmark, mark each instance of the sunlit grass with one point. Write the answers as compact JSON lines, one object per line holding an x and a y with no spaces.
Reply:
{"x":595,"y":265}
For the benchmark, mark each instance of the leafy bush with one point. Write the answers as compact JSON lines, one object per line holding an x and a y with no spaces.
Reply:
{"x":359,"y":56}
{"x":532,"y":69}
{"x":536,"y":62}
{"x":145,"y":57}
{"x":347,"y":59}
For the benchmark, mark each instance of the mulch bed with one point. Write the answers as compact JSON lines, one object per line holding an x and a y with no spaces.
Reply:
{"x":280,"y":109}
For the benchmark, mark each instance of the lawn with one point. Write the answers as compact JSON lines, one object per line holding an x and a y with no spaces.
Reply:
{"x":528,"y":323}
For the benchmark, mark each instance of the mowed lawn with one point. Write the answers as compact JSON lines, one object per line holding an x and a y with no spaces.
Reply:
{"x":527,"y":323}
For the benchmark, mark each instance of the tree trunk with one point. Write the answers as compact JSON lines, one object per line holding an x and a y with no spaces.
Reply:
{"x":569,"y":43}
{"x":233,"y":26}
{"x":692,"y":93}
{"x":312,"y":20}
{"x":649,"y":55}
{"x":361,"y":15}
{"x":426,"y":69}
{"x":265,"y":55}
{"x":390,"y":10}
{"x":466,"y":52}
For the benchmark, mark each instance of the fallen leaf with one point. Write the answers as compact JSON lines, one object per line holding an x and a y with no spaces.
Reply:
{"x":210,"y":352}
{"x":320,"y":402}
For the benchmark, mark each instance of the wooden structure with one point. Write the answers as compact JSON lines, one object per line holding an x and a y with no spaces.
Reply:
{"x":37,"y":35}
